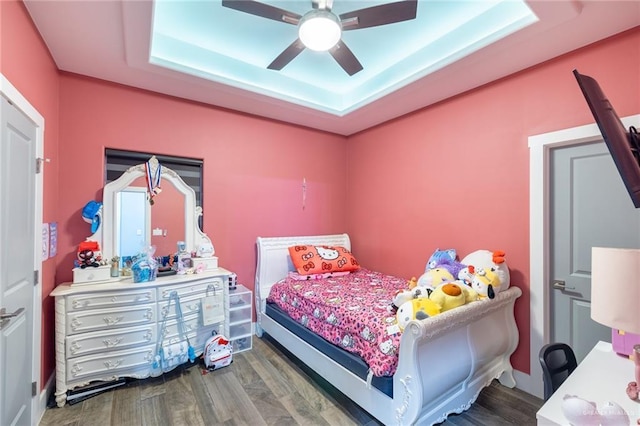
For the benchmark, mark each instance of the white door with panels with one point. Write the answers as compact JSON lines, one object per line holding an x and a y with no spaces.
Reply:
{"x":17,"y":235}
{"x":590,"y":207}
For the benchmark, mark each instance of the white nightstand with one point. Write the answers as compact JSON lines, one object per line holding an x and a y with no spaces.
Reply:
{"x":601,"y":377}
{"x":239,"y":311}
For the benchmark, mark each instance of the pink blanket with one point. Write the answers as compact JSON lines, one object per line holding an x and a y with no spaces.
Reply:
{"x":349,"y":311}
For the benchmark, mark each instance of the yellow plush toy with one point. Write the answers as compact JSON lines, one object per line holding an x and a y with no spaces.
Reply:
{"x":419,"y":308}
{"x":453,"y":294}
{"x":486,"y":283}
{"x":434,"y":277}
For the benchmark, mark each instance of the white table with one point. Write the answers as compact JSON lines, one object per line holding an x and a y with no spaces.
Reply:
{"x":601,"y":377}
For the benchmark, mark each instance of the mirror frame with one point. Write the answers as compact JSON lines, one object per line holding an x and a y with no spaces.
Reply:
{"x":106,"y":235}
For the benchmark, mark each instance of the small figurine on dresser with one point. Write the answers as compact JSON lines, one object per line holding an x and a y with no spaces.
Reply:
{"x":88,"y":254}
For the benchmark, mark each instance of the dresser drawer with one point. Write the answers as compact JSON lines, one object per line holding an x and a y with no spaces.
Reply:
{"x":189,"y":305}
{"x":102,"y":341}
{"x":170,"y":330}
{"x":109,"y":299}
{"x":110,"y":365}
{"x":201,"y":287}
{"x":93,"y":320}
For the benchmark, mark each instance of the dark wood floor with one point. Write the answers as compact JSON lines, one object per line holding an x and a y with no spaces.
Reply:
{"x":261,"y":387}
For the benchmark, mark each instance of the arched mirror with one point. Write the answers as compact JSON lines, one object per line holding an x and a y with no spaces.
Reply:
{"x":131,"y":220}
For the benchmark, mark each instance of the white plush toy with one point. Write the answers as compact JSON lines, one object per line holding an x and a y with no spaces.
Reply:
{"x":486,"y":259}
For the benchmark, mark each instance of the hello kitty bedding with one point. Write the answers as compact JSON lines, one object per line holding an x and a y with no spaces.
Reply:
{"x":349,"y":310}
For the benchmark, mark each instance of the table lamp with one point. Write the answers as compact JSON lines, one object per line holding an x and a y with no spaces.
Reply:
{"x":615,"y":298}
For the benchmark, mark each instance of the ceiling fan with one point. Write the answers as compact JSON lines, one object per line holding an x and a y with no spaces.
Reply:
{"x":327,"y":25}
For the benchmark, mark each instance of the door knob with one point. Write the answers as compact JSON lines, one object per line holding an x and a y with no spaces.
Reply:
{"x":560,"y":285}
{"x":5,"y":318}
{"x":5,"y":315}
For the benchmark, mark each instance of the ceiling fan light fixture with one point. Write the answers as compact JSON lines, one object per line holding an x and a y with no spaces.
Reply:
{"x":319,"y":30}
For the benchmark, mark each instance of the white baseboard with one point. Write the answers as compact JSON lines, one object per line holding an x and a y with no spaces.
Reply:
{"x":43,"y":398}
{"x":525,"y":383}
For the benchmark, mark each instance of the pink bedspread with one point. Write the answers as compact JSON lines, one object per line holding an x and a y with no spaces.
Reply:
{"x":350,"y":311}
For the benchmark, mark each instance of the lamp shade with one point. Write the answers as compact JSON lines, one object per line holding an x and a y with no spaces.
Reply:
{"x":615,"y":288}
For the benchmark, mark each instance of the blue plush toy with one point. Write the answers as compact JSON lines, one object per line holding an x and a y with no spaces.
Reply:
{"x":445,"y":259}
{"x":440,"y":256}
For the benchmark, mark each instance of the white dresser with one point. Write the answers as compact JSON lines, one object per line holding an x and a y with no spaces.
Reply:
{"x":108,"y":331}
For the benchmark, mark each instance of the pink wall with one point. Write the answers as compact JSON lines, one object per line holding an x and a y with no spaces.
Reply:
{"x":27,"y":64}
{"x":457,"y":173}
{"x":253,"y":168}
{"x":399,"y":201}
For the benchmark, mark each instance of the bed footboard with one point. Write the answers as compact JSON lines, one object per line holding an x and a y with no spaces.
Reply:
{"x":445,"y":361}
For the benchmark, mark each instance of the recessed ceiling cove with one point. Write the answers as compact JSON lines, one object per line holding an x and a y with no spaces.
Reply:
{"x":225,"y":45}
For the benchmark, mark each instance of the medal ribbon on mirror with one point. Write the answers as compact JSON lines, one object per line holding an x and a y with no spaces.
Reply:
{"x":154,"y":176}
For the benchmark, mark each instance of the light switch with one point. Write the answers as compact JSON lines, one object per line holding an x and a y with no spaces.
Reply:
{"x":157,"y":232}
{"x":139,"y":232}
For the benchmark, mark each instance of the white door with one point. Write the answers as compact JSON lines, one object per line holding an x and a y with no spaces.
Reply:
{"x":590,"y":207}
{"x":17,"y":235}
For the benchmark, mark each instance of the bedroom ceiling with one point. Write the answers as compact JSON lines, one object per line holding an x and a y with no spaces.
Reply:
{"x":202,"y":51}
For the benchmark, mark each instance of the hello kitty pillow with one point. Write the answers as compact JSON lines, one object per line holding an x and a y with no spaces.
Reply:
{"x":309,"y":259}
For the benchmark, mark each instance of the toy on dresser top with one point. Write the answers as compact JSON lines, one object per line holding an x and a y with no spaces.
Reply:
{"x":88,"y":253}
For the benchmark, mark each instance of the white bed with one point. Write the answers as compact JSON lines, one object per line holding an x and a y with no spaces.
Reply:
{"x":444,"y":361}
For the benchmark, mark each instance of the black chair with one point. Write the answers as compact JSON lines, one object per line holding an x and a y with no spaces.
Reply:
{"x":558,"y":361}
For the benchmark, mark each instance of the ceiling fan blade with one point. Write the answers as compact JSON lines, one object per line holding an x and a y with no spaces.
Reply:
{"x":379,"y":15}
{"x":345,"y":58}
{"x":263,"y":10}
{"x":287,"y":55}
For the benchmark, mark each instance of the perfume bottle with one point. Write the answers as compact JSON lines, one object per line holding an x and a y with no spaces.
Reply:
{"x":183,"y":258}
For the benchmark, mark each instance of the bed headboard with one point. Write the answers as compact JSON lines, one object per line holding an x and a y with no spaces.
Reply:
{"x":274,"y":262}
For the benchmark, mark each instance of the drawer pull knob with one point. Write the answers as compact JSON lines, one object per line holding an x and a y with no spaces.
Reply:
{"x":76,"y":369}
{"x":147,"y":336}
{"x":79,"y":303}
{"x":75,"y":323}
{"x":143,"y":297}
{"x":148,"y":315}
{"x":110,"y":343}
{"x":75,"y":347}
{"x":111,"y":365}
{"x":114,"y":299}
{"x":112,"y":321}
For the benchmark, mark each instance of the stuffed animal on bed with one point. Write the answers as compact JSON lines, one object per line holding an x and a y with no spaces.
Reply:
{"x":445,"y":259}
{"x":490,"y":260}
{"x":412,"y":292}
{"x":453,"y":294}
{"x":434,"y":277}
{"x":486,"y":283}
{"x":418,"y":309}
{"x":440,"y":256}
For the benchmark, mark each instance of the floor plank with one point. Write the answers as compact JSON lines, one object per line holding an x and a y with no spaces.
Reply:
{"x":263,"y":386}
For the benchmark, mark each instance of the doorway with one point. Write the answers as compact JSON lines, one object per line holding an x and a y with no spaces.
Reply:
{"x":33,"y":404}
{"x":540,"y":238}
{"x":590,"y":207}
